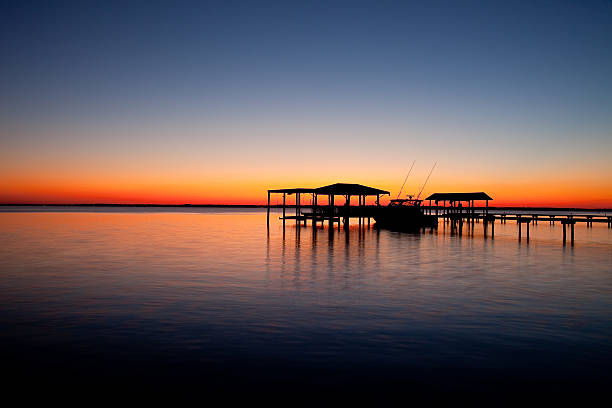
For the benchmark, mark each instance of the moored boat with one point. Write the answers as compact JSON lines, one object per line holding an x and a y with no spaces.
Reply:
{"x":404,"y":215}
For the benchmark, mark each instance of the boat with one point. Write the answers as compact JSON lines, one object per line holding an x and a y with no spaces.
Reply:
{"x":404,"y":214}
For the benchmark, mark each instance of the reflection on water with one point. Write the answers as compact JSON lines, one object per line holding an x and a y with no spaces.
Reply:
{"x":213,"y":295}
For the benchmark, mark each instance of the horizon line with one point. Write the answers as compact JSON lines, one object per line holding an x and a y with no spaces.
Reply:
{"x":254,"y":206}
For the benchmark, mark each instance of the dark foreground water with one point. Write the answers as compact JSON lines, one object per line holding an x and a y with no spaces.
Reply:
{"x":209,"y":299}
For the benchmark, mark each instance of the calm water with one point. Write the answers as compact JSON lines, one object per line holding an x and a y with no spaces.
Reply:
{"x":208,"y":297}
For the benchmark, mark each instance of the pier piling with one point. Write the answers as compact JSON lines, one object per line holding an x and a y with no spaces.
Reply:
{"x":571,"y":224}
{"x":520,"y":222}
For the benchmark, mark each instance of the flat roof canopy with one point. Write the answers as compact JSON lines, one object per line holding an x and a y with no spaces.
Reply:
{"x":349,"y":189}
{"x":292,"y":190}
{"x":459,"y":196}
{"x":335,"y":189}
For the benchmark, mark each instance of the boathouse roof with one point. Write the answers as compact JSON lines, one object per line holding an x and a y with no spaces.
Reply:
{"x":349,"y":189}
{"x":336,"y":189}
{"x":459,"y":196}
{"x":293,"y":190}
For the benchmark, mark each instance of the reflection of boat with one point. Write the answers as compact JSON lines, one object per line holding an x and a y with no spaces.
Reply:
{"x":404,"y":215}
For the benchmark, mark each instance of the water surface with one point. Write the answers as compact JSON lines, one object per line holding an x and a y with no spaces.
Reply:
{"x":209,"y":296}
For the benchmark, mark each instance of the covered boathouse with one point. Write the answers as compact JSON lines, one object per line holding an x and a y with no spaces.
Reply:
{"x":456,"y":201}
{"x":328,"y":211}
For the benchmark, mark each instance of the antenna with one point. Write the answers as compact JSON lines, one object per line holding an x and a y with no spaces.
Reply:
{"x":400,"y":192}
{"x":426,"y":180}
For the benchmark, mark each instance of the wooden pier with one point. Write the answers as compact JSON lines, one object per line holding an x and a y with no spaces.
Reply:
{"x":447,"y":207}
{"x":523,"y":220}
{"x":318,"y":212}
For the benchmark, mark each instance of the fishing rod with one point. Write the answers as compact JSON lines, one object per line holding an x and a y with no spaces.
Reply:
{"x":400,"y":192}
{"x":426,"y":180}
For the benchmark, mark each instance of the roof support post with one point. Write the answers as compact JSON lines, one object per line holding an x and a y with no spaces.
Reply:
{"x":297,"y":209}
{"x":314,"y":210}
{"x":331,"y":210}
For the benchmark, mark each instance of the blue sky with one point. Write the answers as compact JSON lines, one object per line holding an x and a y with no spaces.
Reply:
{"x":92,"y":74}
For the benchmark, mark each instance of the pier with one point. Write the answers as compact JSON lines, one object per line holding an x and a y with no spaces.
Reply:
{"x":452,"y":208}
{"x":455,"y":211}
{"x":320,"y":212}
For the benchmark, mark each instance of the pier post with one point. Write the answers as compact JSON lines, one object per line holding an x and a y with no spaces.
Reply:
{"x":347,"y":219}
{"x":564,"y":232}
{"x":297,"y":209}
{"x":528,"y":230}
{"x":359,"y":209}
{"x":314,"y":210}
{"x":568,"y":222}
{"x":331,"y":211}
{"x":519,"y":225}
{"x":284,"y":195}
{"x":268,"y":212}
{"x":361,"y":214}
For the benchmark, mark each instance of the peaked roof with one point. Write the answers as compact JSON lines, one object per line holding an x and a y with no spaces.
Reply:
{"x":346,"y":189}
{"x":459,"y":196}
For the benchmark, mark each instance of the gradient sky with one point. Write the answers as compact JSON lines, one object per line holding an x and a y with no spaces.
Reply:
{"x":215,"y":102}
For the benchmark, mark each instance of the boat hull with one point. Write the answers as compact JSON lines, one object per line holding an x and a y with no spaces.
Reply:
{"x":404,"y":219}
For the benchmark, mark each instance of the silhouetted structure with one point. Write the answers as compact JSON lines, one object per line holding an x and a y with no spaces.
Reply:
{"x":329,"y":211}
{"x":455,"y":201}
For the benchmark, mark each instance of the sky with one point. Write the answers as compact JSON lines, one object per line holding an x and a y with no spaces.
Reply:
{"x":216,"y":102}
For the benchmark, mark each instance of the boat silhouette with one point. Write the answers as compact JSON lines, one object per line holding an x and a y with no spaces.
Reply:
{"x":404,"y":214}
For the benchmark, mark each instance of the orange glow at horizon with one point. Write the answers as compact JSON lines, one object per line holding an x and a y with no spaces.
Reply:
{"x":241,"y":192}
{"x":194,"y":174}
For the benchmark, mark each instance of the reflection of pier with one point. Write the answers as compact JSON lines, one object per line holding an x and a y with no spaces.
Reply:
{"x":327,"y":210}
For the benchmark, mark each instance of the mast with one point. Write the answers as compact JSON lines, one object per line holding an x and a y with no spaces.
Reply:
{"x":400,"y":191}
{"x":426,"y":180}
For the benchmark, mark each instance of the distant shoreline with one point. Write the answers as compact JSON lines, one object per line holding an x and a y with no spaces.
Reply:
{"x":272,"y":206}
